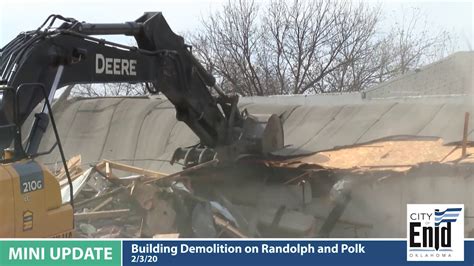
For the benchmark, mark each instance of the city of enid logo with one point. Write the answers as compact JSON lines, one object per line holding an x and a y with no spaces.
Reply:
{"x":435,"y":232}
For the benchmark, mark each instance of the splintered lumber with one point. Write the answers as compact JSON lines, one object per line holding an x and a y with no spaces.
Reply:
{"x":99,"y":169}
{"x":103,"y":204}
{"x":296,"y":178}
{"x":449,"y":153}
{"x":105,"y":167}
{"x":178,"y":175}
{"x":101,"y":214}
{"x":167,"y":236}
{"x":393,"y":155}
{"x":99,"y":197}
{"x":77,"y":186}
{"x":72,"y":164}
{"x":228,"y":227}
{"x":65,"y":182}
{"x":464,"y":136}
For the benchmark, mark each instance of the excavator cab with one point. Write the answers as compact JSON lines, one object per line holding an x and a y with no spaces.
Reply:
{"x":30,"y":195}
{"x":10,"y":131}
{"x":7,"y":130}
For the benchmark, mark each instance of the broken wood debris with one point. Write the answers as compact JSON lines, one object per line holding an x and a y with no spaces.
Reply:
{"x":395,"y":155}
{"x":103,"y":204}
{"x":145,"y":207}
{"x":154,"y":204}
{"x":167,"y":236}
{"x":106,"y":167}
{"x":227,"y":226}
{"x":464,"y":135}
{"x":101,"y":214}
{"x":178,"y":175}
{"x":110,"y":193}
{"x":75,"y":171}
{"x":73,"y":166}
{"x":251,"y":205}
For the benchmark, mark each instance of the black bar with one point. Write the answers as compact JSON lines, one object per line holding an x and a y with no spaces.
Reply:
{"x":128,"y":28}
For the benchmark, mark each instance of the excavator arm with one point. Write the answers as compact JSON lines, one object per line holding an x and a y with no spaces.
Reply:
{"x":36,"y":63}
{"x":72,"y":54}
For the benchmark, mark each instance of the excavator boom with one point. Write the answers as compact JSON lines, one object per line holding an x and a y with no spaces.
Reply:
{"x":70,"y":54}
{"x":36,"y":63}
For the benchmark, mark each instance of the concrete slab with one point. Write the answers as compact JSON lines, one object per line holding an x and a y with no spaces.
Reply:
{"x":449,"y":122}
{"x":90,"y":129}
{"x":401,"y":119}
{"x":348,"y":127}
{"x":303,"y":124}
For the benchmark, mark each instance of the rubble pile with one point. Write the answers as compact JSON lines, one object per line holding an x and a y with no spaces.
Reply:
{"x":112,"y":199}
{"x":303,"y":196}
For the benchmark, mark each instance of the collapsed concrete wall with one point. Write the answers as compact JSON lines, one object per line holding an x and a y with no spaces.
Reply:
{"x":145,"y":130}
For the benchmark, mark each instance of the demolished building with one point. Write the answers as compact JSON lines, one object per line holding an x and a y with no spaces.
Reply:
{"x":351,"y":163}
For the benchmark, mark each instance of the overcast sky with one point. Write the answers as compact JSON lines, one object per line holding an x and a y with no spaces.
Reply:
{"x":185,"y":15}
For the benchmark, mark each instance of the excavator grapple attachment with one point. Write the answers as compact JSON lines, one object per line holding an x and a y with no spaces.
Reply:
{"x":266,"y":131}
{"x":261,"y":135}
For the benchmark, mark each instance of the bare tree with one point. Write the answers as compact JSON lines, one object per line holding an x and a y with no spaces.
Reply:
{"x":413,"y":43}
{"x":109,"y":89}
{"x":229,"y":45}
{"x":303,"y":47}
{"x":409,"y":44}
{"x":353,"y":64}
{"x":291,"y":49}
{"x":310,"y":46}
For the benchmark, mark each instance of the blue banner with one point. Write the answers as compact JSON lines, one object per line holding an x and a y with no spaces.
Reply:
{"x":276,"y":252}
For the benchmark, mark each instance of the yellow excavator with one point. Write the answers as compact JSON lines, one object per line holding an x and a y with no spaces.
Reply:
{"x":36,"y":63}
